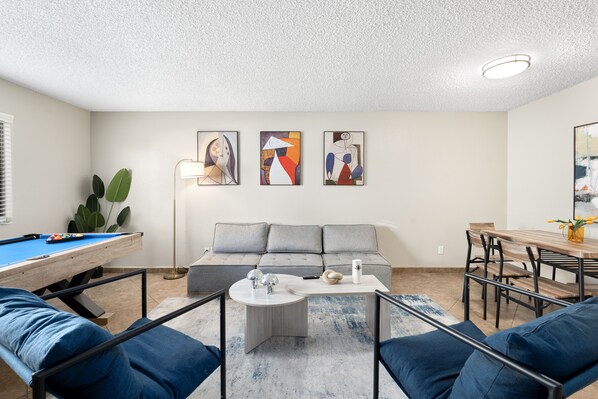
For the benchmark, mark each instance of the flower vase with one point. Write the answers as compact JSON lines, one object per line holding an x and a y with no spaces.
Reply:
{"x":575,"y":234}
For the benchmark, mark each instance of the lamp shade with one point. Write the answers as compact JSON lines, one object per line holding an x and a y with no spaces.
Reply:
{"x":506,"y":66}
{"x":191,"y":170}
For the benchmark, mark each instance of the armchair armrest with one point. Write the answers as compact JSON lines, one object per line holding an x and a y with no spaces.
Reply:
{"x":80,"y":288}
{"x":39,"y":377}
{"x":555,"y":389}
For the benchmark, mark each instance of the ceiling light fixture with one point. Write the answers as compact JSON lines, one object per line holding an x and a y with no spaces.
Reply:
{"x":506,"y":67}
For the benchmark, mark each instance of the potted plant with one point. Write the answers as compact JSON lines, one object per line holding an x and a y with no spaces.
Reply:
{"x":90,"y":218}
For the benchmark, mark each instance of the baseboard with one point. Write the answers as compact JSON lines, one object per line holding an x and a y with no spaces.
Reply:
{"x":395,"y":269}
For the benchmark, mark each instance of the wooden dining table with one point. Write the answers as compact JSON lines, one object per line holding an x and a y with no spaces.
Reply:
{"x":580,"y":258}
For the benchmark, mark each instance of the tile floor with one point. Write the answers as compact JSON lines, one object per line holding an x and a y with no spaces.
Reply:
{"x":442,"y":285}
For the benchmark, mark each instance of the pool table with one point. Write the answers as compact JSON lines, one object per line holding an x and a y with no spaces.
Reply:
{"x":29,"y":262}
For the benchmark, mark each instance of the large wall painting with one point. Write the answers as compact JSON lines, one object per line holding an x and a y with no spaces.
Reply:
{"x":280,"y":158}
{"x":586,"y":170}
{"x":220,"y":153}
{"x":343,"y":158}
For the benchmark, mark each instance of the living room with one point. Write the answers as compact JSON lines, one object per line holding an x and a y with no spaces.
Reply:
{"x":444,"y":146}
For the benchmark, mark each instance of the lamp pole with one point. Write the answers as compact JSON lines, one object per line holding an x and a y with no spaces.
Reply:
{"x":176,"y":273}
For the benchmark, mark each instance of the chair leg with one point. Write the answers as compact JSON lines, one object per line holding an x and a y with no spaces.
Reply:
{"x":498,"y":306}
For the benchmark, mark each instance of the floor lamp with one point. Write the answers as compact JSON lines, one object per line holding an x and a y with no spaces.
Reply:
{"x":190,"y":169}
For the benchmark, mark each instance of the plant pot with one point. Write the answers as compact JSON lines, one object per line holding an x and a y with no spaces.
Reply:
{"x":575,"y":234}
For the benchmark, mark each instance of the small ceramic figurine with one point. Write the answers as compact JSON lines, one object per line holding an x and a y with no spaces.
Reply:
{"x":331,"y":277}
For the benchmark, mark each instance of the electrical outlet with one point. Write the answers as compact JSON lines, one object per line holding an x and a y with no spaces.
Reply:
{"x":441,"y":250}
{"x":207,"y":249}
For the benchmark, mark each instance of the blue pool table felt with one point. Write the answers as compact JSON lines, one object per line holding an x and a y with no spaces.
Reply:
{"x":23,"y":250}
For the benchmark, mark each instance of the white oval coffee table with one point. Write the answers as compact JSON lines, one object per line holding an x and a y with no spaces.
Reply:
{"x":280,"y":313}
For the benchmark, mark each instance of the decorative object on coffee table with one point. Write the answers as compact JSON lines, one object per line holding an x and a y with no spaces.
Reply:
{"x":356,"y":267}
{"x":331,"y":277}
{"x":269,"y":281}
{"x":255,"y":276}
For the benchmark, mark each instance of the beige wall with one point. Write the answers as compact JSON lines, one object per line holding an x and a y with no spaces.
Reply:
{"x":50,"y":162}
{"x":427,"y":176}
{"x":540,"y":156}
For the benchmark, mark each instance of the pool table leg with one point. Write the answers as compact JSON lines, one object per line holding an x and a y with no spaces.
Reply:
{"x":80,"y":302}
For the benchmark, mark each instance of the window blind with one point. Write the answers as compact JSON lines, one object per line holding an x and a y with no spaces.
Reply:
{"x":5,"y":169}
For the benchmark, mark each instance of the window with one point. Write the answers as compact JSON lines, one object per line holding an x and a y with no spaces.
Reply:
{"x":5,"y":169}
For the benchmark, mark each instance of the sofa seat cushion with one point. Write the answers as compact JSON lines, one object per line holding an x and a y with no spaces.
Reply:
{"x":177,"y":371}
{"x":42,"y":336}
{"x":560,"y":345}
{"x":227,"y":259}
{"x":284,"y":259}
{"x":302,"y":264}
{"x":240,"y":237}
{"x":426,"y":365}
{"x":349,"y":238}
{"x":287,"y":238}
{"x":344,"y":259}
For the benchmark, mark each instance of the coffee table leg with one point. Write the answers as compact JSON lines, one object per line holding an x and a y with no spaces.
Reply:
{"x":263,"y":322}
{"x":370,"y":309}
{"x":290,"y":320}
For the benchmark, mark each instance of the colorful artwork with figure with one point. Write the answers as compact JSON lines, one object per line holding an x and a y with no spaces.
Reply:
{"x":586,"y":170}
{"x":219,"y":153}
{"x":280,"y":158}
{"x":343,"y":158}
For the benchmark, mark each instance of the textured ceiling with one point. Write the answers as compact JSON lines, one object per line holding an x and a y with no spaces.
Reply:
{"x":295,"y":55}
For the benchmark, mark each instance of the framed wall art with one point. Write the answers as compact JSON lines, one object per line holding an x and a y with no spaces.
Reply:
{"x":585,"y":196}
{"x":219,"y":151}
{"x":280,"y":158}
{"x":343,"y":158}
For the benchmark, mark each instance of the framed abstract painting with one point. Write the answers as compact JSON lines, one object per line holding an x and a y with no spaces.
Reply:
{"x":343,"y":158}
{"x":280,"y":158}
{"x":219,"y":151}
{"x":585,"y":197}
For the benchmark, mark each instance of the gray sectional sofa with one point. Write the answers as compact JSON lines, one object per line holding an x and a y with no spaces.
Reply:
{"x":300,"y":250}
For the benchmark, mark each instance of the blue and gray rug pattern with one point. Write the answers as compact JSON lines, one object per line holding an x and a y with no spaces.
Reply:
{"x":334,"y":361}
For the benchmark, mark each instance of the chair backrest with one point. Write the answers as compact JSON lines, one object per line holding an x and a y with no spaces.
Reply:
{"x":476,"y":239}
{"x":518,"y":252}
{"x":479,"y":226}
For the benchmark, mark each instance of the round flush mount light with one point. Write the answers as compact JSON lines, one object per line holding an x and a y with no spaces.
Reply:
{"x":506,"y":67}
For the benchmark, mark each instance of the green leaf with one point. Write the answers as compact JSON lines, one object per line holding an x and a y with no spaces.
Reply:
{"x":83,"y":211}
{"x":119,"y":187}
{"x":122,"y":216}
{"x":95,"y":220}
{"x":112,"y":228}
{"x":97,"y":185}
{"x":82,"y":226}
{"x":72,"y":228}
{"x":92,"y":203}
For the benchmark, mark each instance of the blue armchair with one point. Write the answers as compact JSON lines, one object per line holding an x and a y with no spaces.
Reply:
{"x":550,"y":357}
{"x":69,"y":356}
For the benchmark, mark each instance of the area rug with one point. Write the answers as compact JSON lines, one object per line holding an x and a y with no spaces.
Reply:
{"x":334,"y":361}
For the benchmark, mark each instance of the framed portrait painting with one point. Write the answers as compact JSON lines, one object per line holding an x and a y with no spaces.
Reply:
{"x":280,"y":158}
{"x":585,"y":192}
{"x":219,"y":151}
{"x":343,"y":158}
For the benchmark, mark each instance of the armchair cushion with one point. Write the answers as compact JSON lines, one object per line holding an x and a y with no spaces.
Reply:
{"x":426,"y":365}
{"x":561,"y":345}
{"x":287,"y":238}
{"x":42,"y":336}
{"x":170,"y":363}
{"x":240,"y":238}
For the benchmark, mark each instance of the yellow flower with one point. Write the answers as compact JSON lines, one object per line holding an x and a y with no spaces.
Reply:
{"x":590,"y":222}
{"x":561,"y":226}
{"x":550,"y":221}
{"x":577,"y":217}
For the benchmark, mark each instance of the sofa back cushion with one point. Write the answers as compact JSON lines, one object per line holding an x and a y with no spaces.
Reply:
{"x":560,"y":345}
{"x":240,"y":237}
{"x":42,"y":336}
{"x":287,"y":238}
{"x":350,"y":238}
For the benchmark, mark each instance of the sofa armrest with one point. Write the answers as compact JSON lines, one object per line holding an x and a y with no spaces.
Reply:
{"x":39,"y":377}
{"x":555,"y":389}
